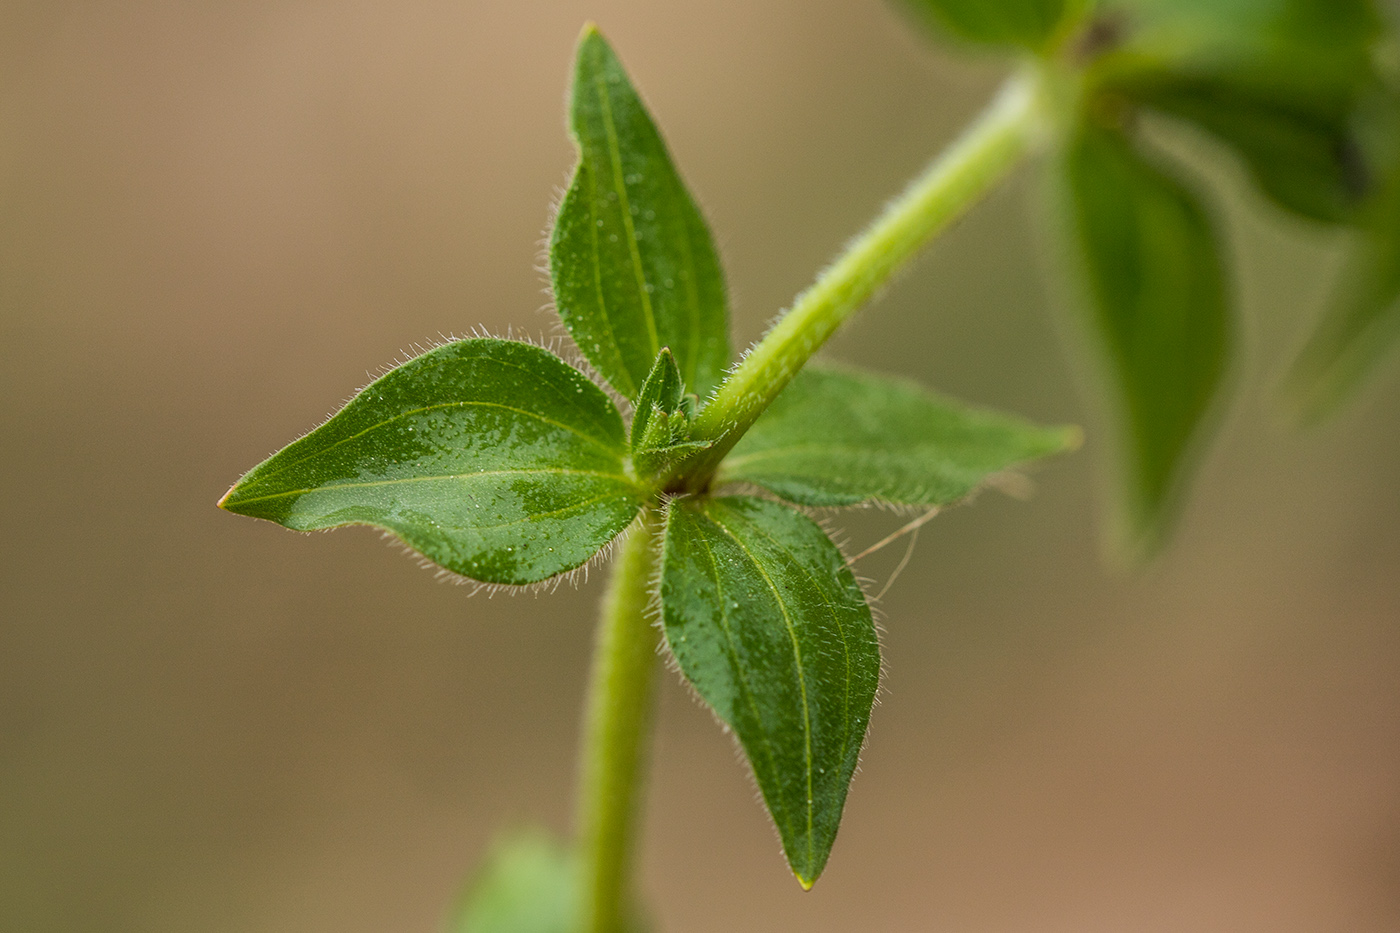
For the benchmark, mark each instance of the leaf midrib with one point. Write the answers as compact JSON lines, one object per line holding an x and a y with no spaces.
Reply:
{"x":793,"y":562}
{"x":619,"y":185}
{"x":801,"y":678}
{"x":324,"y":487}
{"x":734,"y":651}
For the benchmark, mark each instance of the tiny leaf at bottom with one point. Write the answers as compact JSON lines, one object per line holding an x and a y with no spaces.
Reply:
{"x":770,"y":626}
{"x":529,"y":884}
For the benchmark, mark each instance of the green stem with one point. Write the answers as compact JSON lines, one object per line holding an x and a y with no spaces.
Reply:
{"x":618,"y":712}
{"x":972,"y":166}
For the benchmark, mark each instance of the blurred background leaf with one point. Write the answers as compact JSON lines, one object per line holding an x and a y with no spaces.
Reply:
{"x":1154,"y":280}
{"x":1279,"y":81}
{"x":1031,"y":24}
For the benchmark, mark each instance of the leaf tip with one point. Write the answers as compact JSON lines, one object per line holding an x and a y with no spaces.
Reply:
{"x":223,"y":502}
{"x":589,"y":34}
{"x":806,"y":883}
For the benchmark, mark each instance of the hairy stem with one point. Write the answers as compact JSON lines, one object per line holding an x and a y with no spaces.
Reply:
{"x":618,"y":712}
{"x":972,"y":166}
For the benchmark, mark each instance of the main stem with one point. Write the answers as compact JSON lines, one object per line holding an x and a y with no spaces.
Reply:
{"x":957,"y":179}
{"x":619,"y":708}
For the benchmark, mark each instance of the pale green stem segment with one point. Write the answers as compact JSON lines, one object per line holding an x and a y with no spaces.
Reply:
{"x":986,"y":152}
{"x":619,"y":708}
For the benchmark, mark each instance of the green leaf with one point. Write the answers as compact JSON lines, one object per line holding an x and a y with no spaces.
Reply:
{"x":632,"y":262}
{"x":770,"y":626}
{"x":1157,"y":313}
{"x":528,"y":885}
{"x":1362,"y":324}
{"x":1309,"y":43}
{"x":1302,"y":154}
{"x":839,"y":437}
{"x":1280,"y":81}
{"x":1029,"y":23}
{"x":491,"y":458}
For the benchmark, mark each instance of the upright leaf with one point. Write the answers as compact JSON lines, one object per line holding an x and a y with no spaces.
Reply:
{"x":1029,"y":23}
{"x":838,"y":437}
{"x":492,"y":458}
{"x":633,"y":265}
{"x":1157,"y":312}
{"x":769,"y":625}
{"x":1362,"y":324}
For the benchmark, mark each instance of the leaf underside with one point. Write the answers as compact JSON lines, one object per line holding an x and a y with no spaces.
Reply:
{"x":770,"y":626}
{"x":632,"y":262}
{"x":839,"y":437}
{"x":492,"y":458}
{"x":1158,"y":313}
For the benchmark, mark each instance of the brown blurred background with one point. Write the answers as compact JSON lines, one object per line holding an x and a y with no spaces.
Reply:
{"x":216,"y":219}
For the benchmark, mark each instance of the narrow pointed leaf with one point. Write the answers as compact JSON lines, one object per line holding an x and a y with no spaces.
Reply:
{"x":1157,"y":315}
{"x":633,"y":265}
{"x":1363,"y":323}
{"x":661,"y":393}
{"x":1028,"y":23}
{"x":492,"y":458}
{"x":838,"y":437}
{"x":769,"y":625}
